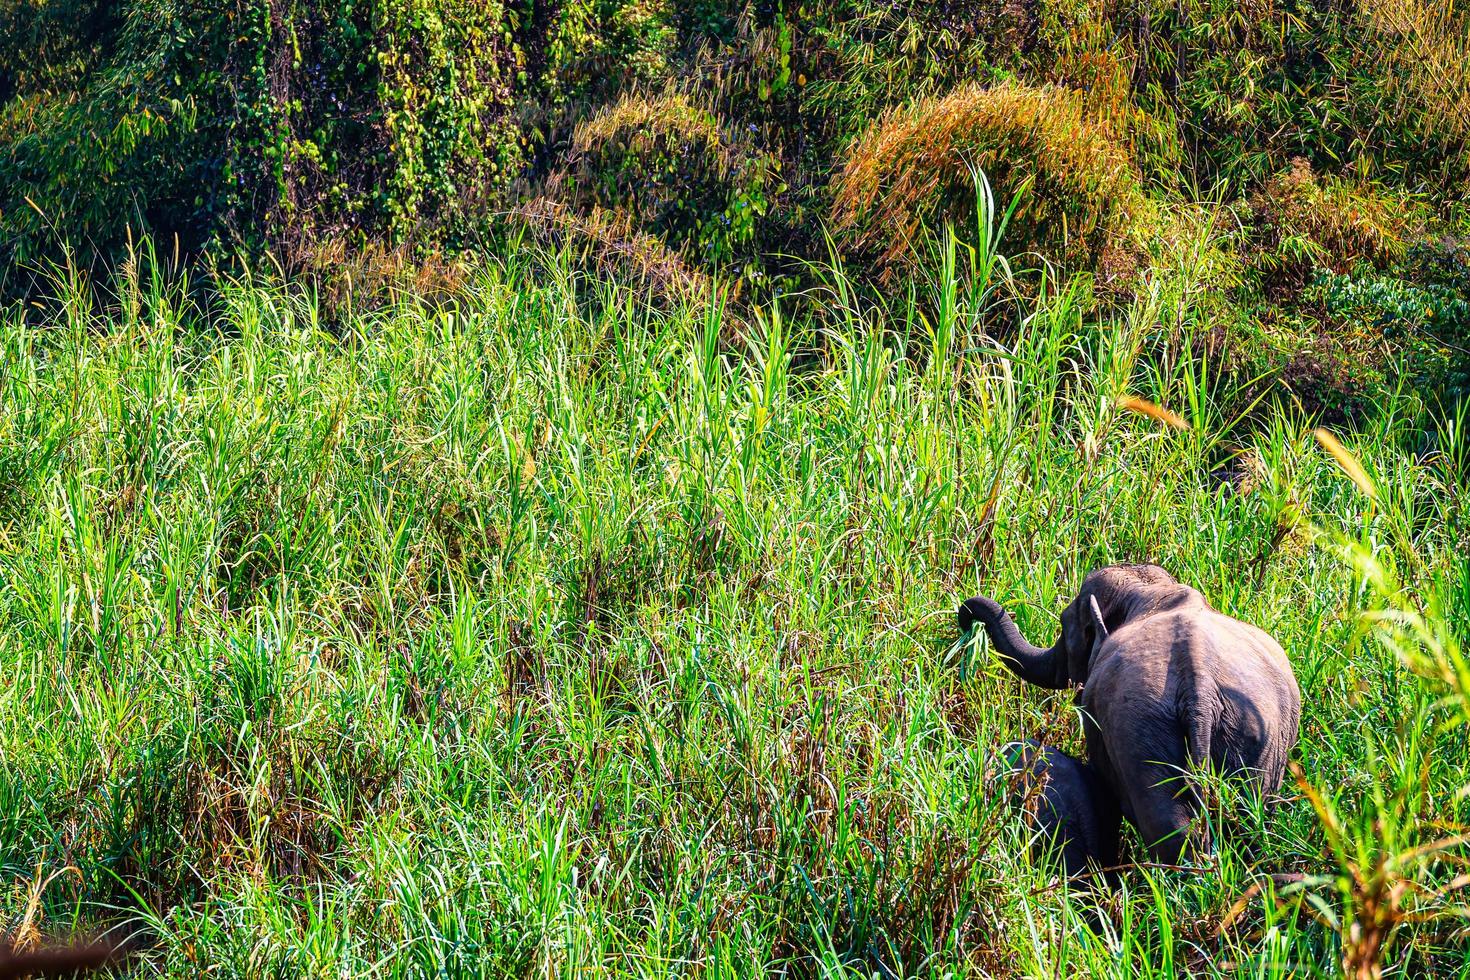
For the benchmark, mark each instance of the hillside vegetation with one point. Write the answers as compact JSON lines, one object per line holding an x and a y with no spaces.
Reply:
{"x":1331,"y":139}
{"x":485,"y":487}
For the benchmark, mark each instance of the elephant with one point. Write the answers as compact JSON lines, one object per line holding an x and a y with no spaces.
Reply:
{"x":1169,"y":687}
{"x":70,"y":958}
{"x":1074,"y":816}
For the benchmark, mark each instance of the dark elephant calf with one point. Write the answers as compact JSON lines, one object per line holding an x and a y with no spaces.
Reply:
{"x":1068,"y":807}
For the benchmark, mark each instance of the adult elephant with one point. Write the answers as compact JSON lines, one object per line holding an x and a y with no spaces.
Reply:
{"x":1169,"y":686}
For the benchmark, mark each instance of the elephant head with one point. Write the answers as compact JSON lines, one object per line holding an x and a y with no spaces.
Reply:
{"x":1109,"y":597}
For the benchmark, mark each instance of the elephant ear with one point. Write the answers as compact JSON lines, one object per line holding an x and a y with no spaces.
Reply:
{"x":1098,"y":627}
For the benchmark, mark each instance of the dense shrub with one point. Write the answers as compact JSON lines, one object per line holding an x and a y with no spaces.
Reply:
{"x":47,"y":47}
{"x":1426,"y":323}
{"x":1428,"y":46}
{"x":913,"y":169}
{"x":863,"y":58}
{"x":1300,"y":221}
{"x":592,"y":47}
{"x":1343,"y":343}
{"x":679,"y":173}
{"x":262,"y":122}
{"x":1254,"y":85}
{"x":282,"y":123}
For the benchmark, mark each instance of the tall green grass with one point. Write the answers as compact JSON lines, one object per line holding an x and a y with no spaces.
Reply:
{"x":552,"y":632}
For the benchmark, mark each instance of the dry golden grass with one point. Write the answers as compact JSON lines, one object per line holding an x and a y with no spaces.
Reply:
{"x":1103,"y":79}
{"x":1142,"y":406}
{"x":1348,"y":221}
{"x":1429,"y":41}
{"x":608,"y":241}
{"x":350,"y":275}
{"x":1347,"y":461}
{"x":641,"y":120}
{"x":912,"y":169}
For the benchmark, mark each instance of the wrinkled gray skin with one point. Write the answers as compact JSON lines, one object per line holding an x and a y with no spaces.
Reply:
{"x":1169,"y":686}
{"x":1074,"y":815}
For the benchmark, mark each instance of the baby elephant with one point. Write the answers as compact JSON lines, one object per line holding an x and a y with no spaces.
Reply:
{"x":1067,"y":805}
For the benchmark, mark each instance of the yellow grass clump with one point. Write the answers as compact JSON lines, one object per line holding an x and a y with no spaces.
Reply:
{"x":913,"y":170}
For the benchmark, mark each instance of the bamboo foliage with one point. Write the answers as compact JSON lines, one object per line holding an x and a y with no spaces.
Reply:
{"x":1429,"y":42}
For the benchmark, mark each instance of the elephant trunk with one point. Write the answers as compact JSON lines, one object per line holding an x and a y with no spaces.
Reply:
{"x":1044,"y":667}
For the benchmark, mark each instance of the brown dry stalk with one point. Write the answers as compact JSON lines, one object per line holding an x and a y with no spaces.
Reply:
{"x":1347,"y":461}
{"x":27,"y":935}
{"x":609,"y":238}
{"x":1158,"y":413}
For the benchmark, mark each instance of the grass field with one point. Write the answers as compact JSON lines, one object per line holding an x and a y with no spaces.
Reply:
{"x":555,"y":631}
